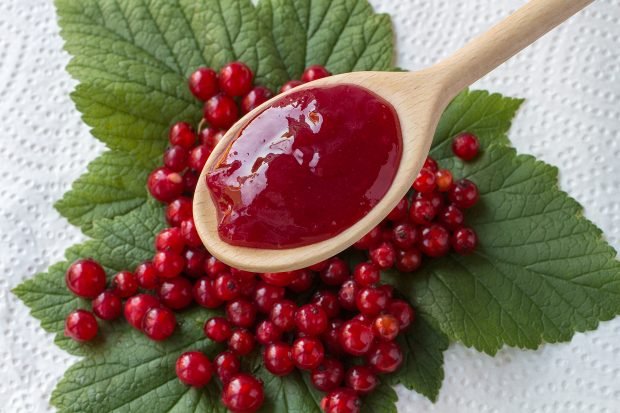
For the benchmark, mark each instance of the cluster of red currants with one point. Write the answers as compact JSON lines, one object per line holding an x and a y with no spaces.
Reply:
{"x":430,"y":220}
{"x":348,"y":317}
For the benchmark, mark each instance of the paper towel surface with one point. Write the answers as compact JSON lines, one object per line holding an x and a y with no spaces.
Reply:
{"x":571,"y":80}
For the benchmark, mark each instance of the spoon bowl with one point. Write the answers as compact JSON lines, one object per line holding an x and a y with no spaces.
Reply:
{"x":416,"y":107}
{"x":418,"y":98}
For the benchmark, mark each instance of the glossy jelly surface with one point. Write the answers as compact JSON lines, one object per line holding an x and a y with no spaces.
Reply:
{"x":306,"y":168}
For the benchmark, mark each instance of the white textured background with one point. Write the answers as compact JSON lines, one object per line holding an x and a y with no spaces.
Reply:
{"x":571,"y":80}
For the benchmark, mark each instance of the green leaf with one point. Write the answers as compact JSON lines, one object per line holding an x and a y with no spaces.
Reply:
{"x":486,"y":115}
{"x":114,"y":185}
{"x":118,"y":244}
{"x":137,"y":374}
{"x":344,"y":36}
{"x":423,"y":346}
{"x":541,"y":272}
{"x":132,"y":60}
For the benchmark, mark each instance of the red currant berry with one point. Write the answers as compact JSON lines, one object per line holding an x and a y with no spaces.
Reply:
{"x":371,"y":300}
{"x":366,"y":274}
{"x":307,"y":353}
{"x":370,"y":240}
{"x":319,"y":266}
{"x":464,"y":194}
{"x":304,"y":280}
{"x":255,"y":98}
{"x":170,"y":239}
{"x":282,"y":315}
{"x":226,"y":287}
{"x":425,"y":181}
{"x":430,"y":164}
{"x":341,"y":401}
{"x":236,"y":79}
{"x":107,"y":306}
{"x":198,"y":157}
{"x":243,"y":394}
{"x":241,"y":342}
{"x":405,"y":236}
{"x":328,"y":375}
{"x":386,"y":327}
{"x":176,"y":293}
{"x":356,"y":337}
{"x":204,"y":293}
{"x":267,"y":332}
{"x":175,"y":158}
{"x":435,"y":198}
{"x":203,"y":83}
{"x":221,"y":111}
{"x":383,"y":256}
{"x":168,"y":264}
{"x":146,"y":274}
{"x":266,"y":296}
{"x":387,"y":289}
{"x":214,"y":267}
{"x":346,"y":295}
{"x":210,"y":137}
{"x":444,"y":180}
{"x":335,"y":273}
{"x":247,"y":287}
{"x":81,"y":325}
{"x":409,"y":260}
{"x":182,"y":134}
{"x":464,"y":240}
{"x":194,"y":262}
{"x":403,"y":313}
{"x":361,"y":379}
{"x":218,"y":329}
{"x":241,"y":312}
{"x":466,"y":146}
{"x":331,"y":338}
{"x":314,"y":72}
{"x":384,"y":357}
{"x":279,"y":279}
{"x":277,"y":359}
{"x":399,"y":212}
{"x":190,"y":180}
{"x":85,"y":278}
{"x":137,"y":306}
{"x":124,"y":284}
{"x":422,"y":212}
{"x":159,"y":323}
{"x":291,"y":84}
{"x":242,"y":275}
{"x":328,"y":301}
{"x":178,"y":210}
{"x":226,"y":365}
{"x":311,"y":320}
{"x":452,"y":217}
{"x":165,"y":185}
{"x":435,"y":241}
{"x":193,"y":368}
{"x":190,"y":234}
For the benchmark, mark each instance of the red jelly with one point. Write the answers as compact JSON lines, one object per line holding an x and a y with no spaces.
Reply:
{"x":306,"y":168}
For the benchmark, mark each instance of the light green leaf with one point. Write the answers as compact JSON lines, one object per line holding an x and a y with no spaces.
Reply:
{"x":114,"y":185}
{"x":541,"y":272}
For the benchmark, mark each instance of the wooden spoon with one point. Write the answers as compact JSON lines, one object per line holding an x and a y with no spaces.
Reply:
{"x":419,"y":99}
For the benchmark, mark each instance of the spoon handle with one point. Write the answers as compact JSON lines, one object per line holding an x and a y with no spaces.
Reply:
{"x":501,"y":42}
